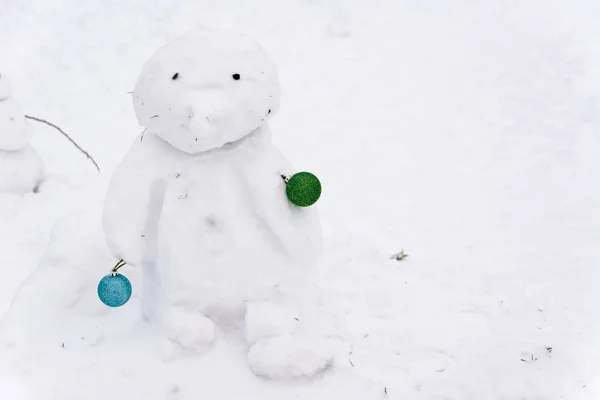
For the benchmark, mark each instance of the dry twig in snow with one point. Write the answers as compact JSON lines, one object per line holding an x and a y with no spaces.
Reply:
{"x":68,"y":138}
{"x":399,"y":256}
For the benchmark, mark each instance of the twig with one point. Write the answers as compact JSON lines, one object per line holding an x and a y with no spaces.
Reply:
{"x":399,"y":256}
{"x":68,"y":138}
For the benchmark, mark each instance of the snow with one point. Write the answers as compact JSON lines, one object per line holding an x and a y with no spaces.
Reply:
{"x":21,"y":168}
{"x":463,"y":132}
{"x":21,"y":171}
{"x":15,"y":130}
{"x":5,"y":87}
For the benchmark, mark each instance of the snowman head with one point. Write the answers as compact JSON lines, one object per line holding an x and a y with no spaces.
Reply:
{"x":205,"y":89}
{"x":5,"y":87}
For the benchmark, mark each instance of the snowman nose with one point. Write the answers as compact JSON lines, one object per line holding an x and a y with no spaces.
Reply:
{"x":207,"y":107}
{"x":208,"y":103}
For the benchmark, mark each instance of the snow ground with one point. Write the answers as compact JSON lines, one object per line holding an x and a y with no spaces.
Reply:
{"x":464,"y":132}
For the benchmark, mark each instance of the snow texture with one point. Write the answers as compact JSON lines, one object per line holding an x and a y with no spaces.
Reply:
{"x":464,"y":132}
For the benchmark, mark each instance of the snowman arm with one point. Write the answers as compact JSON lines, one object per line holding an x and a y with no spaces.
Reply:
{"x":123,"y":219}
{"x":134,"y":202}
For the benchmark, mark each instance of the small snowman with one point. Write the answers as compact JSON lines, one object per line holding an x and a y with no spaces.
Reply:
{"x":222,"y":226}
{"x":21,"y":168}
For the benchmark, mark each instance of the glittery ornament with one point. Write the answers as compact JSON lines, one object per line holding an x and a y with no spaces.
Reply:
{"x":114,"y":290}
{"x":303,"y":189}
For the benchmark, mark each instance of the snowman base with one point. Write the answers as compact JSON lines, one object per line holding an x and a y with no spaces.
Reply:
{"x":289,"y":358}
{"x":276,"y":349}
{"x":21,"y":171}
{"x":187,"y":333}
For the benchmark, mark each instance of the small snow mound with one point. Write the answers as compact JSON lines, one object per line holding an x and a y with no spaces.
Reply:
{"x":21,"y":171}
{"x":288,"y":358}
{"x":61,"y":292}
{"x":21,"y":168}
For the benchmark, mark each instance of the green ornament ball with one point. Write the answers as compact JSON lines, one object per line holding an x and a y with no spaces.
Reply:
{"x":303,"y":189}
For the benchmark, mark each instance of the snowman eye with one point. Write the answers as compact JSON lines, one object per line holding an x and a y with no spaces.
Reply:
{"x":175,"y":76}
{"x":236,"y":77}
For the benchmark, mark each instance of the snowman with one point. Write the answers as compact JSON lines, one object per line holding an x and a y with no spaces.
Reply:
{"x":21,"y":168}
{"x":199,"y":203}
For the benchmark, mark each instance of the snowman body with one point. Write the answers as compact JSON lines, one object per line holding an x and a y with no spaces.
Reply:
{"x":229,"y":232}
{"x":210,"y":229}
{"x":199,"y":202}
{"x":21,"y":168}
{"x":21,"y":171}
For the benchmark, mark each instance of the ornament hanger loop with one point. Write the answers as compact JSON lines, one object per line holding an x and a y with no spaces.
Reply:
{"x":120,"y":264}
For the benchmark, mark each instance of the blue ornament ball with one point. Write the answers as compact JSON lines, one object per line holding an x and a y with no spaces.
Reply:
{"x":114,"y":290}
